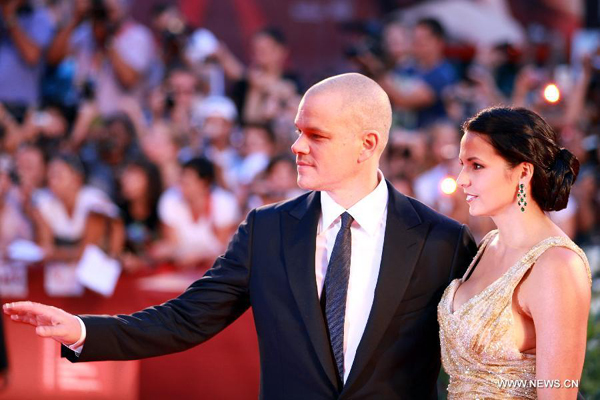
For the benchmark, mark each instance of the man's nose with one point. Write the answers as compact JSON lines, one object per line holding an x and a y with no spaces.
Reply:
{"x":300,"y":146}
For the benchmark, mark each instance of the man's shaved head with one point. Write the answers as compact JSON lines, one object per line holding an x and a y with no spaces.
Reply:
{"x":343,"y":126}
{"x":365,"y":103}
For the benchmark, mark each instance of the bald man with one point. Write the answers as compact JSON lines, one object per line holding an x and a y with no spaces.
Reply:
{"x":343,"y":281}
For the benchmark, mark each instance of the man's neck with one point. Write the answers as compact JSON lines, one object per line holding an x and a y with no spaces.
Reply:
{"x":347,"y":197}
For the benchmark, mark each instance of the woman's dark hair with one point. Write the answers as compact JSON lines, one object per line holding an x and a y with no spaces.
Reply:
{"x":153,"y":177}
{"x":124,"y":120}
{"x":203,"y":168}
{"x":274,"y":33}
{"x":434,"y":26}
{"x":73,"y":161}
{"x":520,"y":135}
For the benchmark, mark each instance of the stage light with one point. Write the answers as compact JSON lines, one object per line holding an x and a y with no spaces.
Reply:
{"x":448,"y":185}
{"x":551,"y":93}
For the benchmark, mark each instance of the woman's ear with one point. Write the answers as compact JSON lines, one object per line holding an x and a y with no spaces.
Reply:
{"x":526,"y":172}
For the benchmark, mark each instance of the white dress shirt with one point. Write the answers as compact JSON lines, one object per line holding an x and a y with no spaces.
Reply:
{"x":368,"y":231}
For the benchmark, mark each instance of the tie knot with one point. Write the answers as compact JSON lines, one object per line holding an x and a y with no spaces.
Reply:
{"x":346,"y":220}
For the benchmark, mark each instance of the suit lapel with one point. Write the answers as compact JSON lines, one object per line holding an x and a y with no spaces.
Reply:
{"x":299,"y":229}
{"x":405,"y":235}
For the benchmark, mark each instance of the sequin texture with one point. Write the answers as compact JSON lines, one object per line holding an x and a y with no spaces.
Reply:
{"x":478,"y":349}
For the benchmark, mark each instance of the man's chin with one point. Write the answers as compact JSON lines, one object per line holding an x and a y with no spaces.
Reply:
{"x":306,"y":184}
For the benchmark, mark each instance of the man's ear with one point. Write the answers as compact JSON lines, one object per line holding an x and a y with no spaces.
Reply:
{"x":370,"y":144}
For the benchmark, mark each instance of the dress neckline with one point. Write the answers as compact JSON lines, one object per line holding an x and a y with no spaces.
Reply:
{"x":457,"y":282}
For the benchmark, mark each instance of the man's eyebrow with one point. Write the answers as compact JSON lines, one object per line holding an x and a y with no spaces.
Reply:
{"x":313,"y":129}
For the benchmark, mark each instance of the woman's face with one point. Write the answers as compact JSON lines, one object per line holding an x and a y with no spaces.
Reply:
{"x":192,"y":187}
{"x":134,"y":183}
{"x":486,"y":178}
{"x":30,"y":167}
{"x":62,"y":179}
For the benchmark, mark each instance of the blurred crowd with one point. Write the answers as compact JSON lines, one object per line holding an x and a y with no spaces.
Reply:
{"x":154,"y":140}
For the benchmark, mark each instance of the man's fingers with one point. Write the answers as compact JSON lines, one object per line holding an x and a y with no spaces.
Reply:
{"x":49,"y":321}
{"x":25,"y":318}
{"x":31,"y":308}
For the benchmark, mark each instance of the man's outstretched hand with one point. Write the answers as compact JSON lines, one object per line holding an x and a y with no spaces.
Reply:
{"x":49,"y":321}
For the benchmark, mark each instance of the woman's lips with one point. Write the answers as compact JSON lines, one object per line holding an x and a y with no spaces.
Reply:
{"x":471,"y":197}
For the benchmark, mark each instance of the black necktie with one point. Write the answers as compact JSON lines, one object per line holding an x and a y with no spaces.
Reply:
{"x":336,"y":289}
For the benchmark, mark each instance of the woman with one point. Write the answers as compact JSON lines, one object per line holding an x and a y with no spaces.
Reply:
{"x":198,"y":218}
{"x":141,"y":187}
{"x":518,"y":317}
{"x":69,"y":214}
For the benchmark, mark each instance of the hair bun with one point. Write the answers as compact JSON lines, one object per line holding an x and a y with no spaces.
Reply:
{"x":562,"y":176}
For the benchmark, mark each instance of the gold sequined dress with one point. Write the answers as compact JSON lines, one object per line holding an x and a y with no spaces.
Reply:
{"x":478,"y":349}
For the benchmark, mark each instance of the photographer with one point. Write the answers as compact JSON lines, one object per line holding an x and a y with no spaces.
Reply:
{"x":432,"y":74}
{"x":115,"y":55}
{"x":25,"y":32}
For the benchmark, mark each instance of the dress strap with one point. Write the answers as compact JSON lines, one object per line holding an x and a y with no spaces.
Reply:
{"x":531,"y":257}
{"x":482,"y":245}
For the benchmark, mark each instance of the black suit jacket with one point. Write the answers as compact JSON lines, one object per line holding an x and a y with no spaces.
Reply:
{"x":270,"y":265}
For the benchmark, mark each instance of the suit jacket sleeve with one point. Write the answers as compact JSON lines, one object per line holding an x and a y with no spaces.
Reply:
{"x":207,"y":307}
{"x":465,"y":250}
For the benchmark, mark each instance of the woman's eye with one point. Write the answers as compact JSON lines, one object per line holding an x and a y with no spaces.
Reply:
{"x":477,"y":166}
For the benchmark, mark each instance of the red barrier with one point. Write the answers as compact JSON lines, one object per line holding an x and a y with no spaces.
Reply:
{"x":226,"y":367}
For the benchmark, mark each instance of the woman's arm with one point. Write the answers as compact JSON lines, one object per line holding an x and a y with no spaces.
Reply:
{"x":557,"y":295}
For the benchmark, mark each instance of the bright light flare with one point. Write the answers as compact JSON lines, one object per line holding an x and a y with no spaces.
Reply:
{"x":448,"y":185}
{"x":551,"y":93}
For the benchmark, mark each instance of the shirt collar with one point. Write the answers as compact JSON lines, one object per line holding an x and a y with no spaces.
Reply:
{"x":367,"y":212}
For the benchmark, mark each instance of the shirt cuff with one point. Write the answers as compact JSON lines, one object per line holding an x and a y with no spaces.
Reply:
{"x":78,"y":345}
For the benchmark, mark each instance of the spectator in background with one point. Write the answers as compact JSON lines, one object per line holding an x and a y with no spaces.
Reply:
{"x":395,"y":67}
{"x":70,"y":215}
{"x":10,"y":131}
{"x":25,"y":33}
{"x":181,"y":46}
{"x":162,"y":147}
{"x":444,"y":141}
{"x":444,"y":144}
{"x":141,"y":187}
{"x":264,"y":88}
{"x":106,"y":155}
{"x":276,"y":183}
{"x":585,"y":193}
{"x":433,"y":71}
{"x":46,"y":127}
{"x":198,"y":218}
{"x":115,"y":55}
{"x":30,"y":171}
{"x":256,"y":152}
{"x":181,"y":94}
{"x":215,"y":118}
{"x":14,"y":224}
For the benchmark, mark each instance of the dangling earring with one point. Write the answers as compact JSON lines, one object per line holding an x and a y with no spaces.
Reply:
{"x":521,"y":197}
